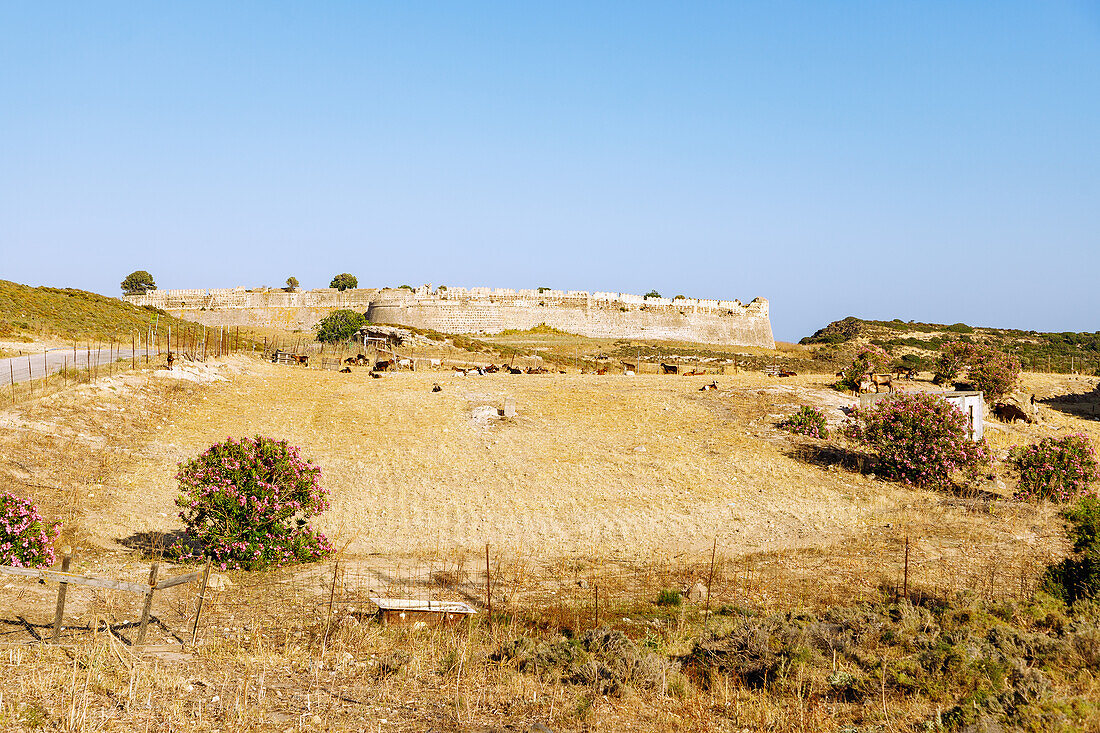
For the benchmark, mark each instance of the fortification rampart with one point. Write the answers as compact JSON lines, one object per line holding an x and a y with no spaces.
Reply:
{"x":482,"y":310}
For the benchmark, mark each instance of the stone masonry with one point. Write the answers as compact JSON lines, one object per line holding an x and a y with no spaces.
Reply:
{"x":482,"y":310}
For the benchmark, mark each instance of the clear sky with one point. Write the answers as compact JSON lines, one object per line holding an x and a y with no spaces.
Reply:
{"x":935,"y":161}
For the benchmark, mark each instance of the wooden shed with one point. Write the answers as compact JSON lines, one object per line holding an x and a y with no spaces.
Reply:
{"x":415,"y":612}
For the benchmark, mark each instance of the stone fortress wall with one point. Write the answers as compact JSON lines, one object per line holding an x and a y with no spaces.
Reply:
{"x":482,"y":310}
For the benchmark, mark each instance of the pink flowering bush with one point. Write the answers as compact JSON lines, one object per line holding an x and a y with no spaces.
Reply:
{"x":26,"y":540}
{"x":989,"y":370}
{"x":1055,"y":469}
{"x":246,"y":504}
{"x":919,"y":438}
{"x":870,"y":359}
{"x":807,"y":421}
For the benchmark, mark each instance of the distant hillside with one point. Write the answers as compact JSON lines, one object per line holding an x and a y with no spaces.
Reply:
{"x":1037,"y":351}
{"x":27,"y":313}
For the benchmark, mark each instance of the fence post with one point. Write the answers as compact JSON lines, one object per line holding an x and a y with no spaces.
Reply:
{"x":148,"y":604}
{"x":202,"y":597}
{"x":66,"y":558}
{"x":597,"y":604}
{"x":710,"y":581}
{"x":488,"y":587}
{"x":905,"y":582}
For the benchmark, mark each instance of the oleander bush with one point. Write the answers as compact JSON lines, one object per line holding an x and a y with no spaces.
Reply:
{"x":246,"y":503}
{"x":1054,"y":469}
{"x":918,"y":438}
{"x":807,"y":421}
{"x":987,"y":369}
{"x":869,"y":359}
{"x":26,"y":540}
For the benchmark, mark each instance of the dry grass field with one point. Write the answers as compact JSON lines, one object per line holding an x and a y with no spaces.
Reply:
{"x":622,"y":483}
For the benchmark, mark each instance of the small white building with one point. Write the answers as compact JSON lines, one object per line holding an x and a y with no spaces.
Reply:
{"x":970,"y":404}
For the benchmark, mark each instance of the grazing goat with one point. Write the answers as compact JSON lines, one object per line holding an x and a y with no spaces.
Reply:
{"x":878,"y":380}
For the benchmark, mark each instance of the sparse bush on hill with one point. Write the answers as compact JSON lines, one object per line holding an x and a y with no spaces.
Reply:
{"x":246,"y":504}
{"x":26,"y":540}
{"x":807,"y":421}
{"x":836,"y":332}
{"x":138,"y":282}
{"x":338,"y":326}
{"x":343,"y":281}
{"x":919,"y":438}
{"x":1055,"y":469}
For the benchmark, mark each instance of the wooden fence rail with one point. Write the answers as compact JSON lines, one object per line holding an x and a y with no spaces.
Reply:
{"x":65,"y":579}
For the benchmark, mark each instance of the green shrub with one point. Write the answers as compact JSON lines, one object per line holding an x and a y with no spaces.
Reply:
{"x":669,"y":597}
{"x":1054,"y":469}
{"x":807,"y":421}
{"x":919,"y":438}
{"x":1078,"y":577}
{"x":339,"y":326}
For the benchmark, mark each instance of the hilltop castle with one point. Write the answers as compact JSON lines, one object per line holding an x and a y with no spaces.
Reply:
{"x":482,"y":310}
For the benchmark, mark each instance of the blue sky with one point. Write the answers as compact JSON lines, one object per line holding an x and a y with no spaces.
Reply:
{"x":932,"y":161}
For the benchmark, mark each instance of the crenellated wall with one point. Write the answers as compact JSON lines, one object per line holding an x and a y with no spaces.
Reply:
{"x":483,"y":310}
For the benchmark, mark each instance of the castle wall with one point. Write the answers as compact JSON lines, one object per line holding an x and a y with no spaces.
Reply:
{"x":483,"y":310}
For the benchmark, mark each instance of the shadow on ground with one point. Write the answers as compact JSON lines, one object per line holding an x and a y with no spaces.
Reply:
{"x":152,"y":544}
{"x":1082,"y":405}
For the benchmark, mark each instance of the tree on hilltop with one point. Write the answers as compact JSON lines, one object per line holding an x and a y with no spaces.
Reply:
{"x":652,"y":294}
{"x":138,"y":282}
{"x":343,"y":281}
{"x":292,"y":283}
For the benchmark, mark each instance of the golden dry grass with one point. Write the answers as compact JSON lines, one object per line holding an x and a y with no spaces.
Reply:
{"x":419,"y":485}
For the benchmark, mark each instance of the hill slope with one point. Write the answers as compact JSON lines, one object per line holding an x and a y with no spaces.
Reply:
{"x":1037,"y":351}
{"x":27,"y":313}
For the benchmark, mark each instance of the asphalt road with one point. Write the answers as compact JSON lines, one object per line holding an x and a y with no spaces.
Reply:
{"x":35,"y":366}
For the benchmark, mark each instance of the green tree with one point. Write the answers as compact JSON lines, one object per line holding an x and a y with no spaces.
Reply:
{"x":292,"y":283}
{"x":653,"y":294}
{"x":339,"y":326}
{"x":138,"y":282}
{"x":343,"y":281}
